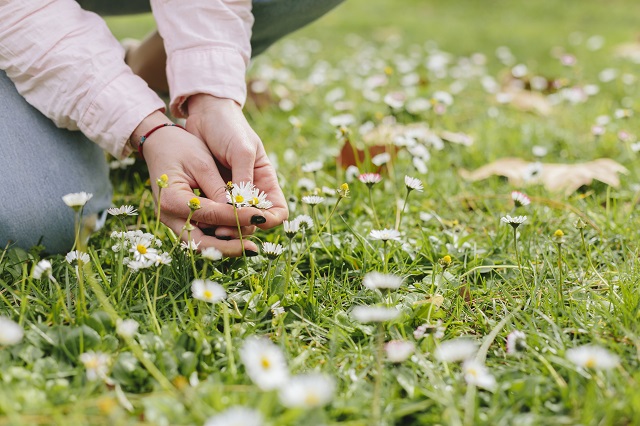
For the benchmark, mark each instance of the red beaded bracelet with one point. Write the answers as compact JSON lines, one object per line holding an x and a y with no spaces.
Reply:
{"x":146,"y":136}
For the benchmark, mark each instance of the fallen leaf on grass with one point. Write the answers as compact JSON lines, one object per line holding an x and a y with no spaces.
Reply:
{"x":530,"y":101}
{"x":566,"y":178}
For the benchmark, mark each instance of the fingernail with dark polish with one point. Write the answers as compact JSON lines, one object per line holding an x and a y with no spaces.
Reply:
{"x":209,"y":231}
{"x":223,"y":237}
{"x":250,"y":253}
{"x":258,"y":220}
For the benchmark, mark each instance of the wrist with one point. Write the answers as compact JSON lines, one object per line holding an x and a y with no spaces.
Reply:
{"x":149,"y":122}
{"x":202,"y":102}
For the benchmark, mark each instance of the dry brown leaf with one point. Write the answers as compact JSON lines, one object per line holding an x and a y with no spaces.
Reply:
{"x":556,"y":177}
{"x":530,"y":101}
{"x":630,"y":51}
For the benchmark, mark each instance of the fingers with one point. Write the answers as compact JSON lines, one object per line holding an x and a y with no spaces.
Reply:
{"x":226,"y":232}
{"x":267,"y":181}
{"x":242,"y":163}
{"x":175,"y":203}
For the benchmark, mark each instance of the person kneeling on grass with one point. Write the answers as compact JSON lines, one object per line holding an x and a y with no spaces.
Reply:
{"x":62,"y":71}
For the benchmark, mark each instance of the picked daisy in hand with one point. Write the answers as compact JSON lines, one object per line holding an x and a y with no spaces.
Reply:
{"x":246,"y":194}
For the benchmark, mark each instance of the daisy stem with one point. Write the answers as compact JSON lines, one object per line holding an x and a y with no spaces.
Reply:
{"x":560,"y":278}
{"x":385,"y":260}
{"x":379,"y":350}
{"x":227,"y":339}
{"x":191,"y":256}
{"x":373,"y":208}
{"x":406,"y":199}
{"x":155,"y":229}
{"x":152,"y":310}
{"x":288,"y":269}
{"x":244,"y":254}
{"x":515,"y":247}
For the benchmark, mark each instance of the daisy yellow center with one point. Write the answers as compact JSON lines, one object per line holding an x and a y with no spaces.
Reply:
{"x":91,"y":364}
{"x":473,"y":372}
{"x":265,"y":362}
{"x":311,"y":399}
{"x":255,"y":201}
{"x":447,"y":258}
{"x":590,"y":363}
{"x":208,"y":294}
{"x":141,"y":249}
{"x":239,"y":199}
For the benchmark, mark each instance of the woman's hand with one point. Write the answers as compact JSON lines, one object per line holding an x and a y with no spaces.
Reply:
{"x":238,"y":149}
{"x":189,"y":164}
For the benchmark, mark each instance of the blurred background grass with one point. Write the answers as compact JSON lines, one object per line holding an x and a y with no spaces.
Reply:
{"x":460,"y":27}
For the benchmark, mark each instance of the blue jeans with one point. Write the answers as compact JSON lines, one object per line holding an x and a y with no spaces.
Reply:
{"x":39,"y":163}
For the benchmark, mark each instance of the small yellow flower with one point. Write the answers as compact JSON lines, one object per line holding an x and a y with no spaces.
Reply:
{"x":343,"y":191}
{"x":163,"y":181}
{"x":388,"y":70}
{"x":558,"y":236}
{"x":194,"y":203}
{"x":229,"y":186}
{"x":445,"y":261}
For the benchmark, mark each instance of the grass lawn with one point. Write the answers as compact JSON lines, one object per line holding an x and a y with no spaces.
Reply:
{"x":478,"y":319}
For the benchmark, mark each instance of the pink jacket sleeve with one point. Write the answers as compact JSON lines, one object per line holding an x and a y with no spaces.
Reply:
{"x":208,"y":44}
{"x":67,"y":64}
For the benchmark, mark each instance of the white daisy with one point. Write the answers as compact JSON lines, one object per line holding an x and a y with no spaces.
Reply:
{"x":211,"y":253}
{"x":77,"y":255}
{"x":190,"y":245}
{"x":380,"y":159}
{"x":366,"y":314}
{"x":311,"y":167}
{"x":305,"y":222}
{"x":342,"y":120}
{"x":127,"y":328}
{"x":456,"y":350}
{"x":351,"y":173}
{"x":96,"y":364}
{"x":125,"y":210}
{"x":162,"y":259}
{"x":43,"y":268}
{"x":272,"y":250}
{"x":513,"y":221}
{"x":291,"y":228}
{"x":11,"y":332}
{"x":141,"y":250}
{"x":277,"y":310}
{"x":373,"y":280}
{"x":370,"y":179}
{"x":520,"y":199}
{"x":236,"y":416}
{"x":77,"y":199}
{"x":264,"y":362}
{"x":413,"y":183}
{"x":437,"y":330}
{"x":477,"y":374}
{"x":137,"y":265}
{"x":595,"y":357}
{"x":399,"y":350}
{"x":308,"y":391}
{"x":208,"y":291}
{"x":313,"y":200}
{"x":385,"y":234}
{"x":516,"y":342}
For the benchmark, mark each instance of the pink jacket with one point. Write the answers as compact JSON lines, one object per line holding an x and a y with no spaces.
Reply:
{"x":67,"y":64}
